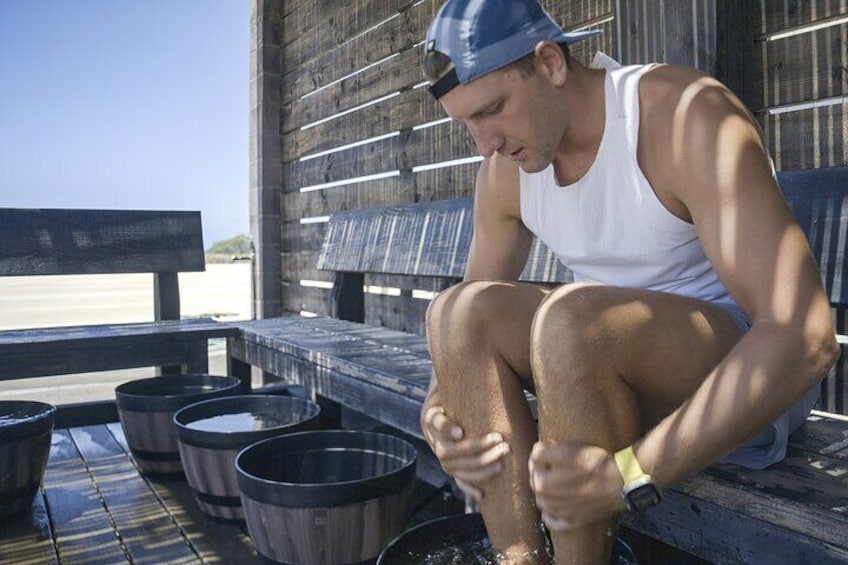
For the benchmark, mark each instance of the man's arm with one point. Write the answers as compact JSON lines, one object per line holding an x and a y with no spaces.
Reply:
{"x":499,"y":249}
{"x":501,"y":242}
{"x":707,"y":163}
{"x":716,"y":166}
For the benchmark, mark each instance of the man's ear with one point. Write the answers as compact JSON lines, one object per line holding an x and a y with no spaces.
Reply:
{"x":551,"y":61}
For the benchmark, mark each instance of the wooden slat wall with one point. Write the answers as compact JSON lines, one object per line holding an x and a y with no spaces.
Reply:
{"x":811,"y":67}
{"x":362,"y":61}
{"x":680,"y":32}
{"x":335,"y":73}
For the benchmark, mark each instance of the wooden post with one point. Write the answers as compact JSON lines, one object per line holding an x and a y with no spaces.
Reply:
{"x":735,"y":63}
{"x":349,"y":297}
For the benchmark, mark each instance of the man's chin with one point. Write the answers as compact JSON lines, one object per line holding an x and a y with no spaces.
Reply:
{"x":529,"y":166}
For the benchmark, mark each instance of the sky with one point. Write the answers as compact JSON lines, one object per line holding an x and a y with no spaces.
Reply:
{"x":127,"y":104}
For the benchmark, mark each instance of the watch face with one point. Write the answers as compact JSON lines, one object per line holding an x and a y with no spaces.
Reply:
{"x":643,"y":497}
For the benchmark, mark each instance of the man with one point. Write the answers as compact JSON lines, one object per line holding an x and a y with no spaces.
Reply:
{"x":698,"y":322}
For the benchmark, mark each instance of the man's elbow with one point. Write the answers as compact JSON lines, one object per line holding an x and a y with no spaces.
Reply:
{"x":821,"y":352}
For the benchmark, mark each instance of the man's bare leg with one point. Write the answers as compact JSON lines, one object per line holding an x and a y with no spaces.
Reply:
{"x":609,"y":363}
{"x":479,"y":334}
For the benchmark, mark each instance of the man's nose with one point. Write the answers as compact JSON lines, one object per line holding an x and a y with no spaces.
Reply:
{"x":487,"y":140}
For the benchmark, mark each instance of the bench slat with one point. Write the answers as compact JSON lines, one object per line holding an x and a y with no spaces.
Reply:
{"x":79,"y":349}
{"x":424,"y":239}
{"x":819,"y":200}
{"x":62,"y":242}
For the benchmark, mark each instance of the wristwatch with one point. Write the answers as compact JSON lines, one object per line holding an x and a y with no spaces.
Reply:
{"x":640,"y":492}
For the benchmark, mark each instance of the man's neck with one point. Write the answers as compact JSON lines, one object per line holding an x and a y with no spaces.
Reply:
{"x":585,"y":96}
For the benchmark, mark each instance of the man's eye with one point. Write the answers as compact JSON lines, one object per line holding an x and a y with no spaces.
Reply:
{"x":492,"y":110}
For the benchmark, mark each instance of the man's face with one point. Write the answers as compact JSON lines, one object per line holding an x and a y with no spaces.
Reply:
{"x":511,"y":114}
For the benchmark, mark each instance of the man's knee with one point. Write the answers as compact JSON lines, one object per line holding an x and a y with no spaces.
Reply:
{"x":463,"y":311}
{"x":568,"y":338}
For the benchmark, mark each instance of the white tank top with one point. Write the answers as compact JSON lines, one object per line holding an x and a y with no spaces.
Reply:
{"x":609,"y":227}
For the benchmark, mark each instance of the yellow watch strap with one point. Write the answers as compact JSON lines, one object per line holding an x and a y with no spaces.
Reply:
{"x":627,"y":465}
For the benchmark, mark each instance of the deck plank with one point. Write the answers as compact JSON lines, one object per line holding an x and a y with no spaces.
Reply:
{"x":84,"y":533}
{"x":27,"y":539}
{"x":147,"y":530}
{"x":212,"y":541}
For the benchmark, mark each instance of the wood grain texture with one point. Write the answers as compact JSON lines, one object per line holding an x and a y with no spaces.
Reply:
{"x":352,"y":533}
{"x":62,"y":242}
{"x":425,"y":239}
{"x":681,"y":32}
{"x":147,"y":530}
{"x":213,"y":542}
{"x":56,"y":351}
{"x":808,"y":66}
{"x":804,"y":494}
{"x":28,"y":539}
{"x":84,"y":532}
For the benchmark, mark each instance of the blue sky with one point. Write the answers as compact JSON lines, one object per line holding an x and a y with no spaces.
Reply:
{"x":126,"y":104}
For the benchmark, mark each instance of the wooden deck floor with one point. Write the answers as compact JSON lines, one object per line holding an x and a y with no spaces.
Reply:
{"x":95,"y":508}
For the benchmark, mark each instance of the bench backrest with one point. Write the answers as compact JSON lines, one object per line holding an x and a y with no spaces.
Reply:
{"x":426,"y":239}
{"x":819,"y":200}
{"x":432,"y":239}
{"x":66,"y":241}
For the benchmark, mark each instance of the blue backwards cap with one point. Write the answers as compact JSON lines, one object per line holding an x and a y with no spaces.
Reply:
{"x":481,"y":36}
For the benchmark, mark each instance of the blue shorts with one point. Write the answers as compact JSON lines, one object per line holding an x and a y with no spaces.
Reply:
{"x":769,"y":447}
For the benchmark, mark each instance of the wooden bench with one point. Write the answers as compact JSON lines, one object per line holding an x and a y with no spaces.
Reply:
{"x":794,"y":512}
{"x":65,"y":242}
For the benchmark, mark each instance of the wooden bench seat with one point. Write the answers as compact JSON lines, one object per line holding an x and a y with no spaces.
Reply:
{"x":794,"y":512}
{"x":39,"y":242}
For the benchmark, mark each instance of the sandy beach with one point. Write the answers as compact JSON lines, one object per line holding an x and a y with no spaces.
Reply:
{"x":221,"y":292}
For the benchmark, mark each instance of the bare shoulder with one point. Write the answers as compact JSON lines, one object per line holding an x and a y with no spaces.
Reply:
{"x":675,"y":95}
{"x":693,"y":129}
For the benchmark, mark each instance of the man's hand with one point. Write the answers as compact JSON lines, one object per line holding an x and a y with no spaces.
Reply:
{"x":575,"y":485}
{"x":469,"y":461}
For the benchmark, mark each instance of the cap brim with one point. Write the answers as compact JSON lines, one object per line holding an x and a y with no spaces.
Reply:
{"x":570,"y":37}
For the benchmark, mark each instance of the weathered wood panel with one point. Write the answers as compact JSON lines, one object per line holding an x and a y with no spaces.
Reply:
{"x":64,"y":242}
{"x":780,"y":15}
{"x":402,"y":313}
{"x":148,"y":533}
{"x":321,"y":79}
{"x":680,"y":32}
{"x":58,"y":351}
{"x":28,"y":539}
{"x":444,"y":142}
{"x":455,"y":181}
{"x":410,"y":108}
{"x":366,"y":45}
{"x":212,"y":541}
{"x":808,"y":67}
{"x":808,"y":138}
{"x":804,"y":67}
{"x":297,"y":236}
{"x":266,"y":38}
{"x":297,"y":298}
{"x":83,"y":532}
{"x":323,"y":26}
{"x":331,"y":44}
